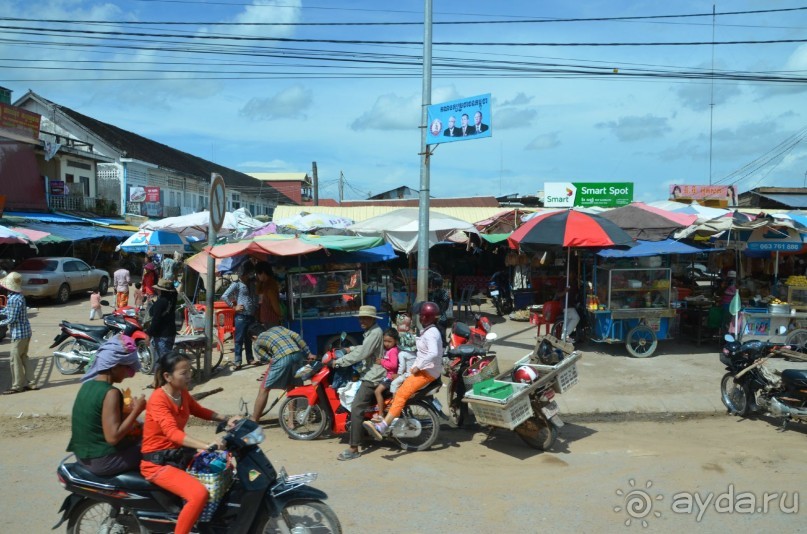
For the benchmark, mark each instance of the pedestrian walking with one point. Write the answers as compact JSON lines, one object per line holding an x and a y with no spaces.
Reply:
{"x":121,"y":280}
{"x":95,"y":305}
{"x":242,"y":296}
{"x":20,"y":329}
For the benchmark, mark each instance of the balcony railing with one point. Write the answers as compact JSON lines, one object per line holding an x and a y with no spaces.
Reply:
{"x":72,"y":203}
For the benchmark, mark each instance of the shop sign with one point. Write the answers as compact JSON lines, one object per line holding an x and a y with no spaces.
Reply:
{"x":57,"y":187}
{"x":19,"y":121}
{"x":137,"y":193}
{"x":724,"y":193}
{"x":152,"y":194}
{"x":778,"y":239}
{"x":587,"y":194}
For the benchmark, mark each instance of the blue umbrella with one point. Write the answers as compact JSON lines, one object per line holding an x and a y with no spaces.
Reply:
{"x":155,"y":242}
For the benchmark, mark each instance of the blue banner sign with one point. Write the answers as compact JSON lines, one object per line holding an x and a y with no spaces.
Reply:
{"x":459,"y":120}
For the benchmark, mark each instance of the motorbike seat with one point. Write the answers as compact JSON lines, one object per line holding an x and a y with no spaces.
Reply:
{"x":462,"y":330}
{"x":466,"y":350}
{"x":132,"y":480}
{"x":95,"y":331}
{"x":795,"y":377}
{"x":428,"y":389}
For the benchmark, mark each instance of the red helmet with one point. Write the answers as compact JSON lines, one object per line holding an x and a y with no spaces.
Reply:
{"x":525,"y":375}
{"x":429,"y":311}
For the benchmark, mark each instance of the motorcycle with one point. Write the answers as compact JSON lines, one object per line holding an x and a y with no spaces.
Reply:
{"x":259,"y":500}
{"x":582,"y":331}
{"x":749,"y":386}
{"x":78,"y":343}
{"x":500,"y":293}
{"x":311,"y":409}
{"x":457,"y":361}
{"x":479,"y":335}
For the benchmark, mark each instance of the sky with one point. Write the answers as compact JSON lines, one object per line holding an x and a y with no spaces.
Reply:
{"x":291,"y":89}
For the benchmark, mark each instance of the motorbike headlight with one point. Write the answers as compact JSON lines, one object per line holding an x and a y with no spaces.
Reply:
{"x":255,"y":437}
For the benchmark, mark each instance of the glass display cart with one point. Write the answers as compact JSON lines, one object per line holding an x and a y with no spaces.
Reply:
{"x":632,"y":306}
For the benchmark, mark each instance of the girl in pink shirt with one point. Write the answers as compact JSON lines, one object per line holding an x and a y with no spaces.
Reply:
{"x":390,"y":363}
{"x":95,"y":305}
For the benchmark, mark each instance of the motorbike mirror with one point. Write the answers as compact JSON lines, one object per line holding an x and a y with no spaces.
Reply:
{"x":492,"y":336}
{"x":782,"y":330}
{"x":105,"y":302}
{"x":729,"y":338}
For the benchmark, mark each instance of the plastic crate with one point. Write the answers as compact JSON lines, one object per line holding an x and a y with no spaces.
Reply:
{"x":566,"y":370}
{"x":504,"y":413}
{"x":493,"y":389}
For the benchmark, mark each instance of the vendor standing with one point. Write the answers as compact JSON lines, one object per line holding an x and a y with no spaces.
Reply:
{"x":729,"y":290}
{"x":242,"y":296}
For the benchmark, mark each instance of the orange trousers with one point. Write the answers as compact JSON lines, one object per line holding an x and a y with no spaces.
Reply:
{"x":179,"y":483}
{"x":410,"y":386}
{"x":122,"y":299}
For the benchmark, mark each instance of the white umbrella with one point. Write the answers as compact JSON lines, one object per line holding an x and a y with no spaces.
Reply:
{"x":399,"y":228}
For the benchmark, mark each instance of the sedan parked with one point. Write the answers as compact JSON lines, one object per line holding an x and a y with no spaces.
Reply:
{"x":60,"y":277}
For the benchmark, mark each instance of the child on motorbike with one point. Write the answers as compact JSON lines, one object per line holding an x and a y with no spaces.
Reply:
{"x":427,"y":368}
{"x":167,"y":449}
{"x":390,"y":363}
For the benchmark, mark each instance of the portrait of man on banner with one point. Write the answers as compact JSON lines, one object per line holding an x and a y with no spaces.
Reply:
{"x":473,"y":115}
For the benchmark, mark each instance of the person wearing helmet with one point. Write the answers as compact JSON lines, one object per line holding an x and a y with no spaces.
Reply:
{"x":440,"y":296}
{"x":427,"y":368}
{"x":368,"y":355}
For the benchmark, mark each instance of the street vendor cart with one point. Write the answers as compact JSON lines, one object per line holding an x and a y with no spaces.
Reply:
{"x":323,"y":304}
{"x":778,"y":323}
{"x":632,"y":306}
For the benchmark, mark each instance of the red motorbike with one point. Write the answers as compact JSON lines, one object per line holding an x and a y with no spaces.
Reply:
{"x":467,"y":349}
{"x":479,"y":335}
{"x":311,"y":409}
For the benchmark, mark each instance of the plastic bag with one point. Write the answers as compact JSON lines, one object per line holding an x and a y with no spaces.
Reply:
{"x":348,"y":393}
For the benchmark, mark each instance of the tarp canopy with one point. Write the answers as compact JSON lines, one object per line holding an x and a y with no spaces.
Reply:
{"x":288,"y":245}
{"x":196,"y":224}
{"x":155,"y":242}
{"x":307,"y":222}
{"x":77,"y":232}
{"x":648,"y":223}
{"x":43,"y":238}
{"x":9,"y":236}
{"x":495,"y":238}
{"x":652,"y":248}
{"x":400,"y":228}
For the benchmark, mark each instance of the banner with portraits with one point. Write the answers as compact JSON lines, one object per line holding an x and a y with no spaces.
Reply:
{"x":459,"y":120}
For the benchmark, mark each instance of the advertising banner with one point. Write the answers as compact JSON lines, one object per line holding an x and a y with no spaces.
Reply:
{"x":779,"y":239}
{"x":726,"y":193}
{"x":137,"y":193}
{"x":459,"y":120}
{"x":587,"y":194}
{"x":19,"y":121}
{"x":152,"y":194}
{"x":57,"y":187}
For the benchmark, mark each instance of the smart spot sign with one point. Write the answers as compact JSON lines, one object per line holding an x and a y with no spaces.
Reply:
{"x":587,"y":194}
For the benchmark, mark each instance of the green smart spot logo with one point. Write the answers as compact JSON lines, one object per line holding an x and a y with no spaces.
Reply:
{"x":587,"y":194}
{"x":642,"y":505}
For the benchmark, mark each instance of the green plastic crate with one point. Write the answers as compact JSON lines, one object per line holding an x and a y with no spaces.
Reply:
{"x":492,"y":388}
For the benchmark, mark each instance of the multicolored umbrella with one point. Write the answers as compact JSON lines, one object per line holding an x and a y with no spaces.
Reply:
{"x":568,"y":229}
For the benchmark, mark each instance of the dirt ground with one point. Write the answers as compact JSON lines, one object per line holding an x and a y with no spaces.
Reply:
{"x":470,"y":482}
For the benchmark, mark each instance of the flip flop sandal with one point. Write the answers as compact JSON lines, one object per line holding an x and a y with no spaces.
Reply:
{"x":373,"y":430}
{"x":31,"y":387}
{"x":12,"y":391}
{"x":347,"y":454}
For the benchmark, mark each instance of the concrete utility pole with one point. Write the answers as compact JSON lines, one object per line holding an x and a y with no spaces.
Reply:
{"x":425,"y":172}
{"x":315,"y":182}
{"x":341,"y":187}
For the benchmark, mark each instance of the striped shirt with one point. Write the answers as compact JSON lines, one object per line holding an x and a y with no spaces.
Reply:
{"x":278,"y":342}
{"x":242,"y":294}
{"x":17,"y":317}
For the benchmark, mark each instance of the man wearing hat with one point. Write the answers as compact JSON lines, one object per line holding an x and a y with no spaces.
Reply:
{"x":371,"y":373}
{"x":163,"y":328}
{"x":20,"y":329}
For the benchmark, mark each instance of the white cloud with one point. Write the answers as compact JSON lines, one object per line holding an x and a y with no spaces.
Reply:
{"x":390,"y":112}
{"x":635,"y":128}
{"x":698,"y":96}
{"x":290,"y":103}
{"x":544,"y":142}
{"x":521,"y":99}
{"x":511,"y":118}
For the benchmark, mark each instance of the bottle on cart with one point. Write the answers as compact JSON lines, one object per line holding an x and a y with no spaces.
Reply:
{"x":647,"y":300}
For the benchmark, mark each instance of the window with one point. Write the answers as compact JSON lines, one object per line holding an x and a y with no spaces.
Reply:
{"x":236,"y":201}
{"x":85,"y":182}
{"x":68,"y":178}
{"x":81,"y":266}
{"x":37,"y":265}
{"x":70,"y":266}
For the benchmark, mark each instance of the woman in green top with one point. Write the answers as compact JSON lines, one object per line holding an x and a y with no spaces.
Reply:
{"x":102,"y":432}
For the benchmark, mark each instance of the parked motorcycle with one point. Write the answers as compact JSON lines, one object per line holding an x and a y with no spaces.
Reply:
{"x":479,"y":335}
{"x":78,"y":343}
{"x":751,"y":387}
{"x":457,"y":361}
{"x":259,"y":500}
{"x":311,"y":409}
{"x":501,"y":293}
{"x":582,"y":331}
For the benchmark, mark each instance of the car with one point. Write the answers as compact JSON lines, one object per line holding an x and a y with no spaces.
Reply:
{"x":60,"y":277}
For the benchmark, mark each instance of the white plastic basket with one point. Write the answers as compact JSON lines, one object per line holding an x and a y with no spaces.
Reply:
{"x":504,"y":413}
{"x":566,"y":370}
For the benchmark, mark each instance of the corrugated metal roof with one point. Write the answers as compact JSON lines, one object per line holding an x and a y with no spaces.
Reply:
{"x":362,"y":213}
{"x":790,"y":200}
{"x":279,"y":176}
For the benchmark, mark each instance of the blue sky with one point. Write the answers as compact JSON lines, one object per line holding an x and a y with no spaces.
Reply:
{"x":364,"y":123}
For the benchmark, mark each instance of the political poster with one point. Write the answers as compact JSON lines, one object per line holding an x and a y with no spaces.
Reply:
{"x":459,"y":120}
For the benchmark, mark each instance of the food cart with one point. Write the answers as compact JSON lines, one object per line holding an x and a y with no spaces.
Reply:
{"x":323,"y":304}
{"x":765,"y":324}
{"x":632,"y":306}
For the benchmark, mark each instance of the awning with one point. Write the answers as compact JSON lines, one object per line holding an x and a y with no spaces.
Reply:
{"x":652,"y":248}
{"x":494,"y":238}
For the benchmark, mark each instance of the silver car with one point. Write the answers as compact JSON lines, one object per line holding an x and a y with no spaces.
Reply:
{"x":59,"y":278}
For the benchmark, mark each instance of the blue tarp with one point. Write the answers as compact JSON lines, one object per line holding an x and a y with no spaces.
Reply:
{"x":652,"y":248}
{"x":43,"y":217}
{"x":77,"y":232}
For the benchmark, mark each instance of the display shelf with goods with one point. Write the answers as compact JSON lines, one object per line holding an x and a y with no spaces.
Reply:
{"x":797,"y":296}
{"x":625,"y":289}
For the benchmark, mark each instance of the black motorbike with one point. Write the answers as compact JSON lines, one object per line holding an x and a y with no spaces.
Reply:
{"x":456,"y":361}
{"x":260,"y":500}
{"x":501,"y":293}
{"x":750,"y":387}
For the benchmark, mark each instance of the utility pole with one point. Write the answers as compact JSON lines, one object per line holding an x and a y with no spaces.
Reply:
{"x":712,"y":97}
{"x":425,"y":171}
{"x":341,"y":186}
{"x":315,"y":182}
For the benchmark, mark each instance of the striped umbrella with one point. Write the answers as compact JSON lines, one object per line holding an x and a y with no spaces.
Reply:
{"x":569,"y":229}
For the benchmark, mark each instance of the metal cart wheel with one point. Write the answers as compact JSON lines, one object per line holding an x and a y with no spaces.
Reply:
{"x":798,"y":340}
{"x":641,"y":341}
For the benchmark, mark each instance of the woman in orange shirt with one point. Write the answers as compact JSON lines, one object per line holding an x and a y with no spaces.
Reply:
{"x":166,"y":448}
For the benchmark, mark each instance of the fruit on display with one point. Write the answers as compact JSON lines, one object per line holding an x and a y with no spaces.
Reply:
{"x":800,"y":281}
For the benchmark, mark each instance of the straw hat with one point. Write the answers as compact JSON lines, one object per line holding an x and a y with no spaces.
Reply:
{"x":368,"y":311}
{"x":165,"y":285}
{"x":13,"y":282}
